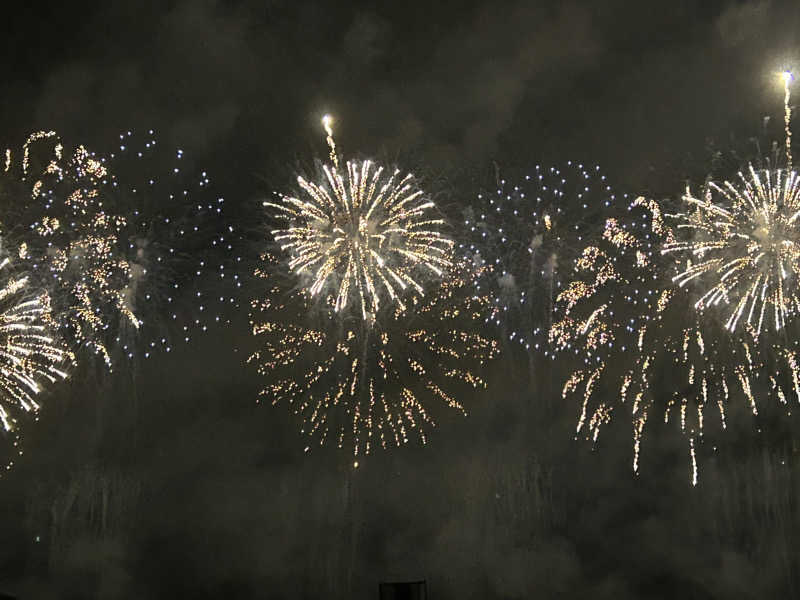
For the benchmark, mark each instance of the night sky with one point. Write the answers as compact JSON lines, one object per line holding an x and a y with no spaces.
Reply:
{"x":168,"y":480}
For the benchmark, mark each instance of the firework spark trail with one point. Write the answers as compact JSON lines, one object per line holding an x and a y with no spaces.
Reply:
{"x":327,"y":124}
{"x":369,"y":235}
{"x":363,"y":386}
{"x":531,"y":232}
{"x":31,"y":357}
{"x":787,"y":116}
{"x":630,"y":327}
{"x":741,"y":244}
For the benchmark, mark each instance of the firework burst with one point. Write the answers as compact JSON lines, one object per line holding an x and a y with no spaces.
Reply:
{"x":362,"y":231}
{"x":31,"y":357}
{"x":118,"y":240}
{"x":743,"y":247}
{"x":70,"y":240}
{"x":531,"y":232}
{"x":364,"y":386}
{"x":644,"y":350}
{"x":366,"y":240}
{"x":638,"y":310}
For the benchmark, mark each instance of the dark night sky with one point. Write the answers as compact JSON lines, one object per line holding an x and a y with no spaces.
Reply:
{"x":222,"y":501}
{"x":638,"y":84}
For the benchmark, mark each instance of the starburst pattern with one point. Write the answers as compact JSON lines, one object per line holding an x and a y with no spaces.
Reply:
{"x":31,"y":356}
{"x":364,"y":232}
{"x":742,"y":246}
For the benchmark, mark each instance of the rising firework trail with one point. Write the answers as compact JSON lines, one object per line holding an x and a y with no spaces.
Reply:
{"x":787,"y":116}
